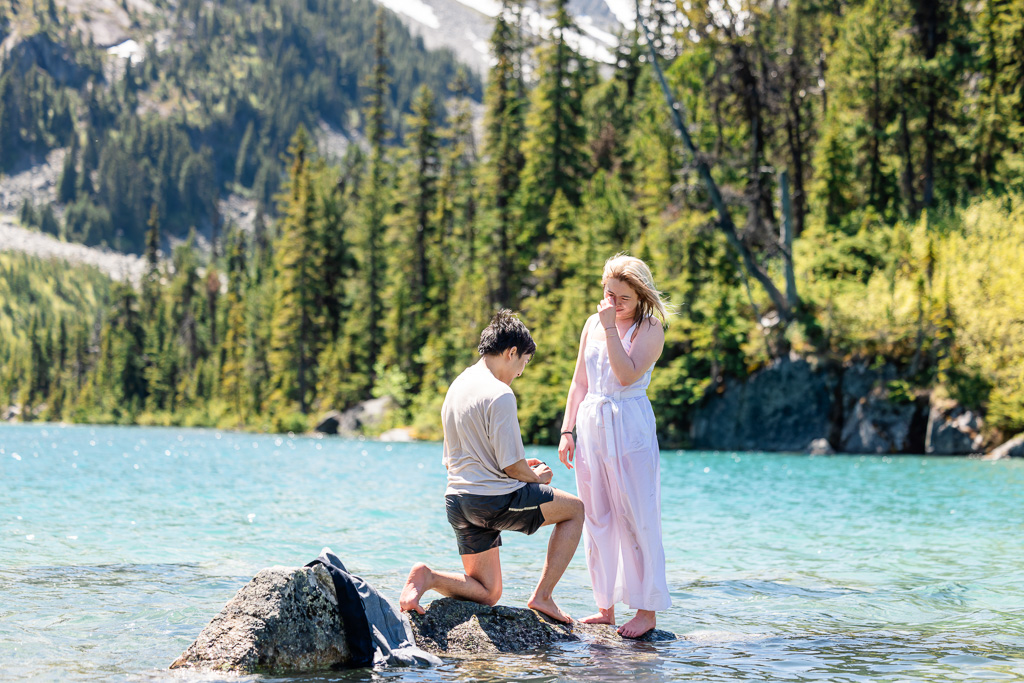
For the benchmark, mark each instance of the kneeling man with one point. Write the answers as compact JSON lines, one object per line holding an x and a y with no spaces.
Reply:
{"x":491,"y":486}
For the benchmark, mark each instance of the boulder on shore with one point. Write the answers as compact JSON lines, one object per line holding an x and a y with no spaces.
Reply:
{"x":1014,"y":448}
{"x":350,"y":423}
{"x":286,"y":620}
{"x":953,"y":430}
{"x":783,"y":407}
{"x":877,"y":425}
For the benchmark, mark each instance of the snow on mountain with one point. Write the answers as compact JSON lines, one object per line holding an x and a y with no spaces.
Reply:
{"x":465,"y":26}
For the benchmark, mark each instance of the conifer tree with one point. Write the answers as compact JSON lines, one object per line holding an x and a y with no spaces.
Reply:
{"x":296,"y":322}
{"x":232,"y":373}
{"x":412,"y":233}
{"x":365,"y":328}
{"x":554,"y":151}
{"x":502,"y":158}
{"x":68,"y":183}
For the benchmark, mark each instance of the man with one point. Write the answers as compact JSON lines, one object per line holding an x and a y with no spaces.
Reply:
{"x":491,"y":486}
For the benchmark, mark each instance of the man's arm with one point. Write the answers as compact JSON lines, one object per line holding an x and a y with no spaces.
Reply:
{"x":523,"y":471}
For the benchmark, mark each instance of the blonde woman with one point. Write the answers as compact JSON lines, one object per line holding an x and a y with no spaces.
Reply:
{"x":615,"y":450}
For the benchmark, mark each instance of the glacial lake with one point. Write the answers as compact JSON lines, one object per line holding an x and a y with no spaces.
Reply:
{"x":118,"y":545}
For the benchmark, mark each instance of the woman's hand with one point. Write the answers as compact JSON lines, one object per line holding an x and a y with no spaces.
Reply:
{"x":567,"y":449}
{"x":606,"y":313}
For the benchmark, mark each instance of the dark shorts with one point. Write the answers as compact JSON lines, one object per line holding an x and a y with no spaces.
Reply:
{"x":479,"y":520}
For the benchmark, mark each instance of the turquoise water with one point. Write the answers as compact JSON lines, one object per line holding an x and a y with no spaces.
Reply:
{"x":118,"y":545}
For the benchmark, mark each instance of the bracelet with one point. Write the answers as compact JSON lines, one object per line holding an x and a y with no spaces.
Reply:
{"x":568,"y":432}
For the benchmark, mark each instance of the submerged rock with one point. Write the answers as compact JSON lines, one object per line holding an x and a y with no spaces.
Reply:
{"x":820,"y":447}
{"x":285,"y":619}
{"x":1014,"y":448}
{"x":457,"y":628}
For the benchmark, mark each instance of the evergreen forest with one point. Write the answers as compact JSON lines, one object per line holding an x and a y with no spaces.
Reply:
{"x":840,"y":180}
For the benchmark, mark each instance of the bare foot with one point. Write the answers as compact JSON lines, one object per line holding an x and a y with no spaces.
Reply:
{"x":605,"y":616}
{"x":549,"y":608}
{"x":644,"y":621}
{"x":415,"y":586}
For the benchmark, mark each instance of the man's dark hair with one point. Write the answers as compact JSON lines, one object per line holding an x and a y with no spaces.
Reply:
{"x":504,"y":332}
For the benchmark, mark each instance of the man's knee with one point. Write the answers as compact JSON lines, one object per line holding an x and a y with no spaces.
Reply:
{"x":576,"y":509}
{"x":492,"y":596}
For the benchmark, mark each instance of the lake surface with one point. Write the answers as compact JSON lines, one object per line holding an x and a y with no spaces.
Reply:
{"x":118,"y":545}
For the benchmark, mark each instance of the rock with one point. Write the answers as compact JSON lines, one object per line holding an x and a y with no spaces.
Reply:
{"x":780,"y":408}
{"x":1014,"y":448}
{"x":402,"y":434}
{"x":329,"y":423}
{"x":456,"y":628}
{"x":11,"y":414}
{"x":877,"y":425}
{"x":285,"y":619}
{"x":39,"y":50}
{"x":820,"y":447}
{"x":953,"y":430}
{"x":352,"y":421}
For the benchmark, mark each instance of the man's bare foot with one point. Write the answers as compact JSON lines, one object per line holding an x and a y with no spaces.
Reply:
{"x":549,"y":608}
{"x":644,"y":621}
{"x":415,"y":586}
{"x":605,"y":616}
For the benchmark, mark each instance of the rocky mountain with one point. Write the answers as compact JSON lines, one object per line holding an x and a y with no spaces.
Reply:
{"x":464,"y":26}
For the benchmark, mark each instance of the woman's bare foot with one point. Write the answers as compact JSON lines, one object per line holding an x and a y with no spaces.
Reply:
{"x":644,"y":621}
{"x":548,"y":607}
{"x":416,"y":585}
{"x":605,"y":616}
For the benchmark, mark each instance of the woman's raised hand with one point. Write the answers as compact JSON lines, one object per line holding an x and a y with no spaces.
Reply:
{"x":606,"y":313}
{"x":566,"y":449}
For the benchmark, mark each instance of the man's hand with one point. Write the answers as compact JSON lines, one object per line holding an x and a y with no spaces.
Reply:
{"x":531,"y":471}
{"x":542,"y":471}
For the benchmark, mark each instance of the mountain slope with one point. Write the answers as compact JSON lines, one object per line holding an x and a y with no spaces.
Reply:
{"x":178,"y":104}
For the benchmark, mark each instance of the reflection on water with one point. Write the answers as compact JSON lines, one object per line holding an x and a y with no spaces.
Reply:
{"x":117,"y":545}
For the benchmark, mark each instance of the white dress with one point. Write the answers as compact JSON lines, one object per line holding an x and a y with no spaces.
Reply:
{"x":619,"y":481}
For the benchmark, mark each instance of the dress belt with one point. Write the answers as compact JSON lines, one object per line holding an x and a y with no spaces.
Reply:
{"x":607,"y":407}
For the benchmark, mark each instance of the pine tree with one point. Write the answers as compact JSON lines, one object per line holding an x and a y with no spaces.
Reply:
{"x":366,"y":322}
{"x":412,"y":233}
{"x":502,"y":159}
{"x":296,"y":325}
{"x":232,"y":372}
{"x":554,"y":151}
{"x":68,"y":183}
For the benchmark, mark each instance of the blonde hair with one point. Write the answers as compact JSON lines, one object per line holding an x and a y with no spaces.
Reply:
{"x":637,"y":275}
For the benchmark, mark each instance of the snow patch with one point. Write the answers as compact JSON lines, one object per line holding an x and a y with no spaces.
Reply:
{"x":414,"y":9}
{"x":129,"y":49}
{"x":624,"y":11}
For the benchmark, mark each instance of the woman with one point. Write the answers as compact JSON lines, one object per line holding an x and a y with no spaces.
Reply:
{"x":616,"y":448}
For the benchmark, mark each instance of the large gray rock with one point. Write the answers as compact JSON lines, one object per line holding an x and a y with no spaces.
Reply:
{"x":783,"y":407}
{"x":877,"y":425}
{"x":1014,"y":448}
{"x":456,"y":628}
{"x":953,"y":430}
{"x":351,"y":422}
{"x":285,"y":619}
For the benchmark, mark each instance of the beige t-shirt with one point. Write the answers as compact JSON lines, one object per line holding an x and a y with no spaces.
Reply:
{"x":481,"y":434}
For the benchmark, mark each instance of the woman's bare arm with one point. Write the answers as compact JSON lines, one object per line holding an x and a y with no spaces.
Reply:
{"x":577,"y":391}
{"x":645,"y":350}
